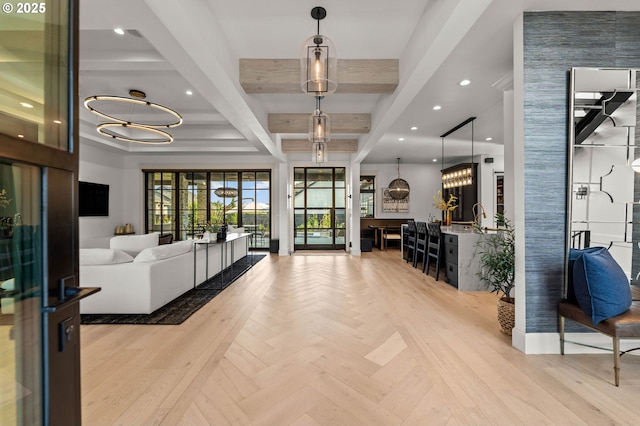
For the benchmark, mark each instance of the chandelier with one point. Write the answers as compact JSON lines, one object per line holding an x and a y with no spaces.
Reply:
{"x":398,"y":188}
{"x":318,"y":67}
{"x":124,"y":127}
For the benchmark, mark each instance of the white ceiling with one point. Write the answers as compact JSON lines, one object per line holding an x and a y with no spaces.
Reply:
{"x":171,"y":47}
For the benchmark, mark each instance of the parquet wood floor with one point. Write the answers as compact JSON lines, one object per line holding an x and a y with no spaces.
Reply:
{"x":342,"y":340}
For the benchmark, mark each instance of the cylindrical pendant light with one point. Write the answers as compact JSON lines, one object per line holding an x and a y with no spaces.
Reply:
{"x":319,"y":126}
{"x":319,"y":152}
{"x":318,"y":63}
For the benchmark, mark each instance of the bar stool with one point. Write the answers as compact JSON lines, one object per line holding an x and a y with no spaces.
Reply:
{"x":409,"y":243}
{"x":433,"y":248}
{"x":421,"y":244}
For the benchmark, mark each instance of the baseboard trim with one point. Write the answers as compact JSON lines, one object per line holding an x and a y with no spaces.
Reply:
{"x":549,"y":343}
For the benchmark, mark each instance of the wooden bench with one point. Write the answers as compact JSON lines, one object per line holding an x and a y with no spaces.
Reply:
{"x":624,"y":326}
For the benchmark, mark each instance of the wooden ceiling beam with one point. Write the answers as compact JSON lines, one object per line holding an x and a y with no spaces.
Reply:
{"x":355,"y":76}
{"x":340,"y":123}
{"x":297,"y":146}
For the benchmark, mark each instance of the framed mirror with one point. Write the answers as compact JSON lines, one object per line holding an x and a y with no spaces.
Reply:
{"x":604,"y":164}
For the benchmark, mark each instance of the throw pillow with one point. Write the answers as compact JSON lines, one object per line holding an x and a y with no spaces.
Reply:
{"x":574,"y":254}
{"x":134,"y":244}
{"x":164,"y":251}
{"x":600,"y":285}
{"x":165,"y":239}
{"x":103,"y":256}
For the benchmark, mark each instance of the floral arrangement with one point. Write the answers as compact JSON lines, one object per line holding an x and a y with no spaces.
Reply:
{"x":440,"y":204}
{"x":4,"y":200}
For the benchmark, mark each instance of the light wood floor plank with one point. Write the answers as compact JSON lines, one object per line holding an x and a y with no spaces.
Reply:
{"x":341,"y":340}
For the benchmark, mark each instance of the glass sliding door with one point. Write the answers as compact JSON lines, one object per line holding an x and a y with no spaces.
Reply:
{"x":182,"y":202}
{"x":256,"y":207}
{"x":319,"y":208}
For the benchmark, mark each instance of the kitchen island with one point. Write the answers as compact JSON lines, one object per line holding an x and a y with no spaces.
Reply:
{"x":461,"y":258}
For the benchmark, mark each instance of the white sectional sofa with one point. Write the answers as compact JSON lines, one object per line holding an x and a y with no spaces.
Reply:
{"x":138,"y":276}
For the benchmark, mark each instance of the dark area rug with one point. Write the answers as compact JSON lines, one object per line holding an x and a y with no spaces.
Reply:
{"x":181,"y":308}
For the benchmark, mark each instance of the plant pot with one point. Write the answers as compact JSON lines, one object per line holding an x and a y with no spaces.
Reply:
{"x":506,"y":314}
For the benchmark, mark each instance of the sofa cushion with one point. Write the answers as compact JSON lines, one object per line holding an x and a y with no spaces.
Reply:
{"x":103,"y":256}
{"x":601,"y":287}
{"x":134,"y":244}
{"x":164,"y":251}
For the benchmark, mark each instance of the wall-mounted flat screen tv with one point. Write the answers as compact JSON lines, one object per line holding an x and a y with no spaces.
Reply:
{"x":93,"y":199}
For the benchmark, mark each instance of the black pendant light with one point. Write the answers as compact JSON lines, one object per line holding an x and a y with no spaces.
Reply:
{"x":399,"y":188}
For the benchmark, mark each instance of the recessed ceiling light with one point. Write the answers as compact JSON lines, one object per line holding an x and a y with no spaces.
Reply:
{"x":488,"y":139}
{"x":400,"y":139}
{"x":437,"y":107}
{"x":414,"y":128}
{"x":435,"y":160}
{"x":189,"y":92}
{"x":26,"y":105}
{"x":118,"y":31}
{"x":465,"y":82}
{"x":21,"y":136}
{"x":57,"y":121}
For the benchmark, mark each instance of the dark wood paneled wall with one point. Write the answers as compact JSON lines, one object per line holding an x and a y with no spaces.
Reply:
{"x":553,"y":43}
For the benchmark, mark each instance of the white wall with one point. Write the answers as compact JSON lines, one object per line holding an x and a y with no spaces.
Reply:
{"x":424,"y":182}
{"x":100,"y":166}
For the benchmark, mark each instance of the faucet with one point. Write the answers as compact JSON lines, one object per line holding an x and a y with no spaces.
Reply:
{"x":476,"y":214}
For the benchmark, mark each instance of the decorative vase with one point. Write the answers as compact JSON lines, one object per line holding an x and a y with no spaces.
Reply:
{"x":506,"y":314}
{"x":447,"y":218}
{"x":222,"y":233}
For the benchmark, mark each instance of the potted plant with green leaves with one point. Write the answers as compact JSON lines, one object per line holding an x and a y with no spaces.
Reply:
{"x":496,"y":252}
{"x":210,"y":230}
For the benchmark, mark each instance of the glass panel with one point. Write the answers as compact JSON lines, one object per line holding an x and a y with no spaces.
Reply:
{"x":20,"y":295}
{"x":340,"y":198}
{"x":298,"y":178}
{"x":248,"y":180}
{"x":230,"y":200}
{"x":34,"y":72}
{"x":366,"y":205}
{"x":340,"y":226}
{"x":319,"y":178}
{"x":367,"y":196}
{"x":340,"y":177}
{"x":319,"y":197}
{"x":299,"y":228}
{"x":366,"y":183}
{"x":263,"y":180}
{"x":319,"y":218}
{"x":299,"y":198}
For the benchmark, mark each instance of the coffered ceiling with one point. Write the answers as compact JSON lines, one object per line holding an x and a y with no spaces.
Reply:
{"x":170,"y":47}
